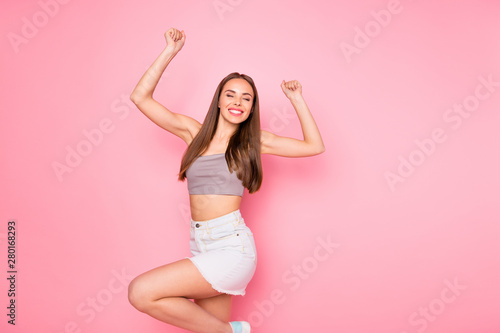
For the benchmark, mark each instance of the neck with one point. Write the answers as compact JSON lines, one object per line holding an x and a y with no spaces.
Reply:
{"x":224,"y":130}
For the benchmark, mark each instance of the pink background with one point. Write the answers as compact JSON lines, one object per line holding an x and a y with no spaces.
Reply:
{"x":398,"y":248}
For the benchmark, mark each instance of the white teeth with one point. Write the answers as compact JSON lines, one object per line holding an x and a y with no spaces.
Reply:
{"x":236,"y":111}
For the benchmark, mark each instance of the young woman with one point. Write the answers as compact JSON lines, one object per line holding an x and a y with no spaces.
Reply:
{"x":222,"y":158}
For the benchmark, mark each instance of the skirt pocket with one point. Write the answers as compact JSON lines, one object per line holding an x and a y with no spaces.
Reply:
{"x":222,"y":232}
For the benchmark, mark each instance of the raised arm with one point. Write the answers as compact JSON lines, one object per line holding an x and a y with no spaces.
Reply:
{"x":312,"y":144}
{"x":183,"y":126}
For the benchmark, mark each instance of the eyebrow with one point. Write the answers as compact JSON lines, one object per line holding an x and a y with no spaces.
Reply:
{"x":234,"y":92}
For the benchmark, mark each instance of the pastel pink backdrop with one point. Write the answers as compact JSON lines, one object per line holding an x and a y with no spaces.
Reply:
{"x":420,"y":254}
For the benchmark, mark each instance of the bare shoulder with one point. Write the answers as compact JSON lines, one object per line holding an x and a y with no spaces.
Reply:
{"x":265,"y":134}
{"x":266,"y":139}
{"x":193,"y":126}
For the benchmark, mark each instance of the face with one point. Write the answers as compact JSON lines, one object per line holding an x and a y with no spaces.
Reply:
{"x":236,"y":100}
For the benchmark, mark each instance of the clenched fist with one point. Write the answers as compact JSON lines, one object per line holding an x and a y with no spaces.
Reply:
{"x":175,"y":39}
{"x":292,"y":88}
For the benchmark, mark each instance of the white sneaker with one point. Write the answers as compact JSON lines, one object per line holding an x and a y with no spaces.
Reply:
{"x":240,"y":326}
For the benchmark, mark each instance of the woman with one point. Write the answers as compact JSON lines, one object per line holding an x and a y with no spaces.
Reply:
{"x":222,"y":158}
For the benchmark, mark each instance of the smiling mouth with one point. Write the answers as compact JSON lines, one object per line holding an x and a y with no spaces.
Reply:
{"x":235,"y":112}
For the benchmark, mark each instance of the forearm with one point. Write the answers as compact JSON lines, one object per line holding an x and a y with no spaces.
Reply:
{"x":150,"y":79}
{"x":310,"y":130}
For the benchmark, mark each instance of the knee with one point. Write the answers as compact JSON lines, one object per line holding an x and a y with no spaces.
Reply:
{"x":137,"y":295}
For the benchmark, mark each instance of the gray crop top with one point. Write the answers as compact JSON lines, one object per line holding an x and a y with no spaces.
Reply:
{"x":210,"y":174}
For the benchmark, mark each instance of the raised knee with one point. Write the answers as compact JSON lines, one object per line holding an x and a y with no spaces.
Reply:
{"x":137,"y":295}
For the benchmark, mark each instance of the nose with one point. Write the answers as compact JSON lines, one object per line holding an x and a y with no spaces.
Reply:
{"x":237,"y":102}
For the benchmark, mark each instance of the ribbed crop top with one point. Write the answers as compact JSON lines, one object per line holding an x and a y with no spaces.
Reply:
{"x":210,"y":174}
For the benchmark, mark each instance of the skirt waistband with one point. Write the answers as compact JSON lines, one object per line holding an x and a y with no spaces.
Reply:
{"x":234,"y":217}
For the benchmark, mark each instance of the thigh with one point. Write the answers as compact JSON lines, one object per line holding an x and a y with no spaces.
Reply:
{"x":219,"y":306}
{"x":178,"y":279}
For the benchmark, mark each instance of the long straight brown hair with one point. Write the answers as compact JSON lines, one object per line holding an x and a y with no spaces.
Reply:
{"x":243,"y":150}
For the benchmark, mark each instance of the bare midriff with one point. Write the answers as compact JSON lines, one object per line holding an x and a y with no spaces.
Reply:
{"x":207,"y":207}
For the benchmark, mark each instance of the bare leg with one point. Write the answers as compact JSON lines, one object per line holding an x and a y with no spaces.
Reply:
{"x":164,"y":294}
{"x":219,"y":306}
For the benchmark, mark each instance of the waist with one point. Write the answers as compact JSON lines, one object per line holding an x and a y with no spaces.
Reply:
{"x":232,"y":217}
{"x":207,"y":207}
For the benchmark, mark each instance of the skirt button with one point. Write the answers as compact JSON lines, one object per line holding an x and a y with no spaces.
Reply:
{"x":197,"y":225}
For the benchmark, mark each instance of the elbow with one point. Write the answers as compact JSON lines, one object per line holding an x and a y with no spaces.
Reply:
{"x":137,"y":98}
{"x":315,"y":150}
{"x":320,"y":149}
{"x":134,"y":98}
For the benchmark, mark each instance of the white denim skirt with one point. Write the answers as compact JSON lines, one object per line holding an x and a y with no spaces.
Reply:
{"x":224,"y":252}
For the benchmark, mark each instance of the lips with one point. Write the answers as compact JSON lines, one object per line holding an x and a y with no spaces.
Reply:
{"x":235,"y":111}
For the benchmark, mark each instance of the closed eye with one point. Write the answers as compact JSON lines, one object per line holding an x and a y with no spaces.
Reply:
{"x":246,"y":99}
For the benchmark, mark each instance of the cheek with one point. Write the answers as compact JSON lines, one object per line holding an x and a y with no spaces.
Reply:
{"x":246,"y":118}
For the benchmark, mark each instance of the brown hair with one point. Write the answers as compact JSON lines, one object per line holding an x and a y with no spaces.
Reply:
{"x":243,"y":150}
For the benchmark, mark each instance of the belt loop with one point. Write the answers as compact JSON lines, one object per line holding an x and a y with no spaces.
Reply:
{"x":236,"y":219}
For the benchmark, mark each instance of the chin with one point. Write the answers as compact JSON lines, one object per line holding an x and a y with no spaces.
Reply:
{"x":236,"y":120}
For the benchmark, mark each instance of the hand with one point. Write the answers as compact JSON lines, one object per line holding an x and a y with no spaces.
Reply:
{"x":175,"y":39}
{"x":292,"y":89}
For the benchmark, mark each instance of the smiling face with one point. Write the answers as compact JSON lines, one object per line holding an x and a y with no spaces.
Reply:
{"x":236,"y":100}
